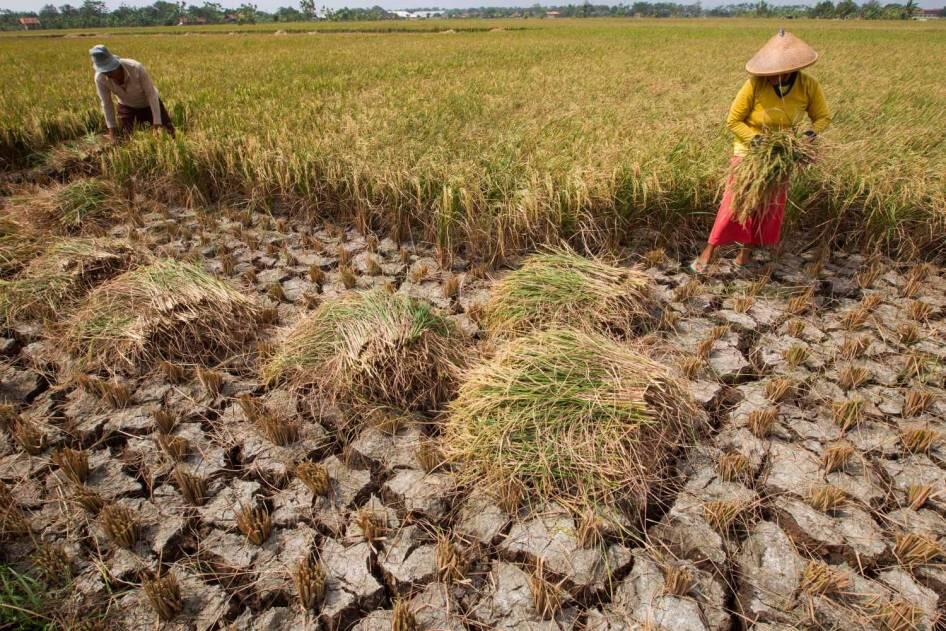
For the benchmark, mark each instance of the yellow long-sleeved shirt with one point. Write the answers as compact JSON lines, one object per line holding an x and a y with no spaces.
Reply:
{"x":757,"y":107}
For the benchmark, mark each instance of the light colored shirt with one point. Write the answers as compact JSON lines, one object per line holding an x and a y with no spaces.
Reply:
{"x":758,"y":107}
{"x":137,"y":91}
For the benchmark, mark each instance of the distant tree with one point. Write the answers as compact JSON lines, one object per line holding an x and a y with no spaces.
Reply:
{"x":288,"y":14}
{"x":124,"y":15}
{"x":210,"y":12}
{"x":92,"y":13}
{"x":872,"y":10}
{"x":909,"y":9}
{"x":846,"y":9}
{"x":246,"y":14}
{"x":308,"y":9}
{"x":824,"y":9}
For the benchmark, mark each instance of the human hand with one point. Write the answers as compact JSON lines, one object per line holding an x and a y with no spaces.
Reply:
{"x":756,"y":141}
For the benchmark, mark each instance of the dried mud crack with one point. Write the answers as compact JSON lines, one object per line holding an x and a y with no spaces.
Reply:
{"x":815,"y":499}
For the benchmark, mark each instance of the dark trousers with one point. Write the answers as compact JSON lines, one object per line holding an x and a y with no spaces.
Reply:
{"x":130,"y":117}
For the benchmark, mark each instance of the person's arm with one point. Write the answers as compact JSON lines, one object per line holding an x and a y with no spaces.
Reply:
{"x":108,"y":107}
{"x":154,"y":101}
{"x":739,"y":111}
{"x":818,"y":110}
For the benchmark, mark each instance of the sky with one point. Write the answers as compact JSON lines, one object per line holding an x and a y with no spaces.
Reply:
{"x":269,"y":5}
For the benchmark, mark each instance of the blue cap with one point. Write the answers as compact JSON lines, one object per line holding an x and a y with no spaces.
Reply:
{"x":102,"y":59}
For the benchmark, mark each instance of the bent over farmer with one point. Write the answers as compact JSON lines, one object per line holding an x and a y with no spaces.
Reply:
{"x":138,"y":99}
{"x":777,"y":95}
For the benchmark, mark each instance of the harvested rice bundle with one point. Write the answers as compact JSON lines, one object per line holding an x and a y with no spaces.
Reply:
{"x":18,"y":244}
{"x":164,"y":311}
{"x":372,"y":349}
{"x":86,"y":206}
{"x":571,"y":417}
{"x":79,"y":157}
{"x":562,"y":287}
{"x":61,"y":275}
{"x":757,"y":178}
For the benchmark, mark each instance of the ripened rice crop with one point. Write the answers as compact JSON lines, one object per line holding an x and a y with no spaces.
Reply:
{"x":492,"y":141}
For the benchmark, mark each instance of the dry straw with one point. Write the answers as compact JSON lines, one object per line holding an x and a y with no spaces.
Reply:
{"x":569,"y":416}
{"x":61,"y":275}
{"x":83,"y":206}
{"x":164,"y":311}
{"x":164,"y":594}
{"x":309,"y":578}
{"x":563,"y":288}
{"x":315,"y":477}
{"x":370,"y":350}
{"x":757,"y":179}
{"x":18,"y":244}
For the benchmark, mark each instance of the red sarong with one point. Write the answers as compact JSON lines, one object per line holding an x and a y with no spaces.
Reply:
{"x":765,"y":230}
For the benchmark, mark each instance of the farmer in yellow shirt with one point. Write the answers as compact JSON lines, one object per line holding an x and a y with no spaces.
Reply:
{"x":776,"y":96}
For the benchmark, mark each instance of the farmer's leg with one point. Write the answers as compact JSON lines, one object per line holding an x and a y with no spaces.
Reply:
{"x":131,"y":118}
{"x":744,"y":255}
{"x":126,"y":119}
{"x":706,"y":256}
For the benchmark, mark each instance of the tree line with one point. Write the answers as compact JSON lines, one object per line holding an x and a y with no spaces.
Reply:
{"x":94,"y":13}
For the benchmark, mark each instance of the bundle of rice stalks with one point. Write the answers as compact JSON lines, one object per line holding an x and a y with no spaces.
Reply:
{"x":570,"y":417}
{"x":309,"y":578}
{"x":372,"y":349}
{"x":78,"y":157}
{"x":84,"y":206}
{"x":60,"y":276}
{"x":18,"y":244}
{"x":766,"y":168}
{"x":164,"y":593}
{"x":819,"y":578}
{"x":164,"y":311}
{"x":912,"y":549}
{"x":562,"y":288}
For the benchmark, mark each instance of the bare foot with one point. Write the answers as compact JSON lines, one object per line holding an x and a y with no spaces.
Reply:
{"x":744,"y":256}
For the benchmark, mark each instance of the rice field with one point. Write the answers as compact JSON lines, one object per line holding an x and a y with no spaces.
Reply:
{"x":284,"y":371}
{"x":488,"y":142}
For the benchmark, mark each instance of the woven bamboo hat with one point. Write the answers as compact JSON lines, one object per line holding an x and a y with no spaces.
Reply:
{"x":782,"y":54}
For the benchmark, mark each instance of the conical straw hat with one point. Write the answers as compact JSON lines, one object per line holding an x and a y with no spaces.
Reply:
{"x":782,"y":54}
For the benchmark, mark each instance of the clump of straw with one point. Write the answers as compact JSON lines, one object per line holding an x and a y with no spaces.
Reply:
{"x":86,"y":206}
{"x":756,"y":179}
{"x":372,"y":349}
{"x":18,"y":244}
{"x":60,"y":276}
{"x":164,"y":311}
{"x":571,"y":417}
{"x":561,"y":287}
